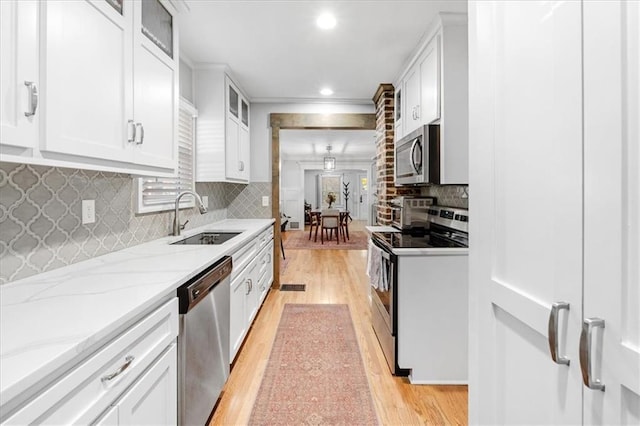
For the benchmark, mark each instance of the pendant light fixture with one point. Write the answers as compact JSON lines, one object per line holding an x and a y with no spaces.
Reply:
{"x":329,"y":161}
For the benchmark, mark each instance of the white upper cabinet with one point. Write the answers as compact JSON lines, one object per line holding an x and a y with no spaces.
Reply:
{"x":19,"y":80}
{"x":223,"y":148}
{"x":155,"y":83}
{"x":430,"y":82}
{"x":109,"y":86}
{"x":434,"y":89}
{"x":87,"y":56}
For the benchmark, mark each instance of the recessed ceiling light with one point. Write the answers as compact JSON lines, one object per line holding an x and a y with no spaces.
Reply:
{"x":326,"y":92}
{"x":326,"y":21}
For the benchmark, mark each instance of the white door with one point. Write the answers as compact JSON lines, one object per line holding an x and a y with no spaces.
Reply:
{"x":363,"y":197}
{"x":155,"y":84}
{"x":612,"y":210}
{"x":237,"y":321}
{"x":153,"y":399}
{"x":430,"y":82}
{"x":412,"y":100}
{"x":244,"y":153}
{"x":582,"y":246}
{"x":232,"y":153}
{"x":526,"y":227}
{"x":19,"y":82}
{"x":87,"y":78}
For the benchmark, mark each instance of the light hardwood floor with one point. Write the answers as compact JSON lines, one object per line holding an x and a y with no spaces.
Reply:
{"x":335,"y":276}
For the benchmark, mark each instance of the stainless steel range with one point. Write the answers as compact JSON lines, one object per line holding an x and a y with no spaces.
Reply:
{"x":448,"y":229}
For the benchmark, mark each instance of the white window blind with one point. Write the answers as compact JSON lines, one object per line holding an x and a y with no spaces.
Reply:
{"x":158,"y":194}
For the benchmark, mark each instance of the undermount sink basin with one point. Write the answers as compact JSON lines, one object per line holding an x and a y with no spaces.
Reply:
{"x":209,"y":237}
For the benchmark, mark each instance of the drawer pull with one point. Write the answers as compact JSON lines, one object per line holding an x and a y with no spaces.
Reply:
{"x":127,"y":363}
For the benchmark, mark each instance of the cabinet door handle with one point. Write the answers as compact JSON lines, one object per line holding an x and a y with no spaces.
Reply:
{"x":33,"y":98}
{"x":241,"y":166}
{"x":248,"y":287}
{"x":131,"y":131}
{"x":127,"y":363}
{"x":585,"y":353}
{"x":553,"y":332}
{"x":141,"y":134}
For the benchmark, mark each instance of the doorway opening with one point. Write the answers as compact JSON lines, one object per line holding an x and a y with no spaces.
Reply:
{"x":295,"y":121}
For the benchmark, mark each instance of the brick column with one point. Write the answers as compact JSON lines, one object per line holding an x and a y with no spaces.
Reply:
{"x":385,"y":189}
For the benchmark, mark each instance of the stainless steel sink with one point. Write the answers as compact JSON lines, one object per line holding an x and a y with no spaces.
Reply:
{"x":209,"y":237}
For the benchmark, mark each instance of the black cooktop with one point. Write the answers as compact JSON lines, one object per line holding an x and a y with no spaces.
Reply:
{"x":393,"y":240}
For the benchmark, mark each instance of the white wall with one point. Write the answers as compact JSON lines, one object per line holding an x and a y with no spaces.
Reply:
{"x":261,"y":131}
{"x":186,"y":81}
{"x":298,"y":182}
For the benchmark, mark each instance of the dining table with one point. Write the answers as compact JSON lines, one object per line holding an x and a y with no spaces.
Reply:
{"x":344,"y":217}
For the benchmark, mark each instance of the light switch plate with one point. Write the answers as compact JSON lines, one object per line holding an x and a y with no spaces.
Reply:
{"x":265,"y":201}
{"x":205,"y":200}
{"x":88,"y":211}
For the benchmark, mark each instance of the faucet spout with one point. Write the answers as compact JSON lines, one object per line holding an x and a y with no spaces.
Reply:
{"x":176,"y":218}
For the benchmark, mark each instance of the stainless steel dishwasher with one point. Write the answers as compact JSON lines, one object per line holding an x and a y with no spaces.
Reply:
{"x":203,"y":342}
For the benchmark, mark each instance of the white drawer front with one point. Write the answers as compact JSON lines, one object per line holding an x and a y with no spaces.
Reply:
{"x":80,"y":396}
{"x":242,"y":257}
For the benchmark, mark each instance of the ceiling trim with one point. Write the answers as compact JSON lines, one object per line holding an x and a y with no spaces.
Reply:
{"x":354,"y":101}
{"x":350,"y":121}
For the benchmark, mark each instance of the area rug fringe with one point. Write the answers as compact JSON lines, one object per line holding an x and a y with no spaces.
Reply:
{"x":315,"y":374}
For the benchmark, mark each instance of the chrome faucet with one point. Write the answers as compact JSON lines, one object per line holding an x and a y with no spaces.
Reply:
{"x":176,"y":222}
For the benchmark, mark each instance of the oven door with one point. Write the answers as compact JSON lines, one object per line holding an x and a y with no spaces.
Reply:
{"x":384,"y":310}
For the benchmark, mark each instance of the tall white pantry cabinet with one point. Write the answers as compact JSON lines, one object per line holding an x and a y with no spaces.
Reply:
{"x":554,"y":260}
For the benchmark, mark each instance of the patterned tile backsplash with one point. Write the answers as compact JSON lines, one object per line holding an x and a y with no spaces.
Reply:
{"x":41,"y":223}
{"x":449,"y":195}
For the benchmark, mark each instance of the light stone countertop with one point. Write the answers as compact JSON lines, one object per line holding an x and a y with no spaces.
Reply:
{"x":51,"y":321}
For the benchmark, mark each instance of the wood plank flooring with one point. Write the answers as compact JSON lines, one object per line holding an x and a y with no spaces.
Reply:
{"x":335,"y":276}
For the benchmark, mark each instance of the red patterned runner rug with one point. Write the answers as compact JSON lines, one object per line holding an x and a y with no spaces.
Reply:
{"x":315,"y":374}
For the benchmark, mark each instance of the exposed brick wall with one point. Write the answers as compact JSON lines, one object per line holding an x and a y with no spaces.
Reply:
{"x":384,"y":102}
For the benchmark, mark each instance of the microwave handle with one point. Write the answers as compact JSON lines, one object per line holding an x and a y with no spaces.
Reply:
{"x":414,"y":145}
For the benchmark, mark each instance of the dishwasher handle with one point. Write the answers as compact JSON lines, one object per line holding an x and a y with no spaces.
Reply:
{"x":197,"y":288}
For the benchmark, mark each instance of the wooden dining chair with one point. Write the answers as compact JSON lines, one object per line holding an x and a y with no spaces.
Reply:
{"x":314,"y":222}
{"x":344,"y":225}
{"x":329,"y":222}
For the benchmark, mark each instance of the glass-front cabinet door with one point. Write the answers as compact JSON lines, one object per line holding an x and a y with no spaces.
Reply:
{"x":245,"y":113}
{"x":233,"y":101}
{"x":157,"y":25}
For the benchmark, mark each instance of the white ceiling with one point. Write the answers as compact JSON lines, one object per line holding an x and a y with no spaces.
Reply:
{"x":277,"y":53}
{"x":354,"y":145}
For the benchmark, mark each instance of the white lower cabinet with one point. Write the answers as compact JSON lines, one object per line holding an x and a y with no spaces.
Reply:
{"x":136,"y":373}
{"x":152,"y":399}
{"x":432,"y":318}
{"x":251,"y":279}
{"x":265,"y":272}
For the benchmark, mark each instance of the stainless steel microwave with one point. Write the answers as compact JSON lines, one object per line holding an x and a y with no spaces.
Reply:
{"x":417,"y":156}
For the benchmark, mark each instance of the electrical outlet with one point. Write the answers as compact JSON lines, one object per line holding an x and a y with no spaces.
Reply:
{"x":265,"y":201}
{"x":205,"y":200}
{"x":88,"y":211}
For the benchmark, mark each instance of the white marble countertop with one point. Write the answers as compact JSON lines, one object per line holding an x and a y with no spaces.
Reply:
{"x":51,"y":321}
{"x":380,"y":228}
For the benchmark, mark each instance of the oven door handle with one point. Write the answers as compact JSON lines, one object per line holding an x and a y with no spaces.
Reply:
{"x":385,"y":253}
